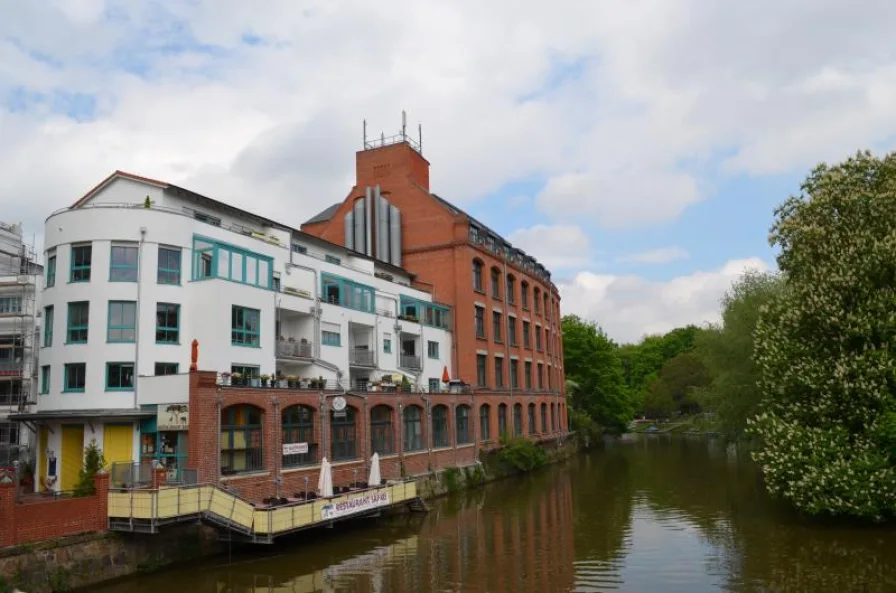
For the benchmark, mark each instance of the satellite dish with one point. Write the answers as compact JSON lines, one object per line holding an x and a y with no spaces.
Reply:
{"x":338,"y":403}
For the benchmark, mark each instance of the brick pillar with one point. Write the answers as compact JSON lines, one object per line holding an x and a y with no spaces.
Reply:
{"x":159,"y":477}
{"x":101,"y":483}
{"x":7,"y":513}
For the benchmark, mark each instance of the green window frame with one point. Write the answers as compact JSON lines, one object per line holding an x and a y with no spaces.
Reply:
{"x":435,"y":385}
{"x":51,"y":270}
{"x":75,"y":379}
{"x":123,"y":263}
{"x":297,"y":426}
{"x":381,"y":437}
{"x":82,"y":255}
{"x":120,"y":376}
{"x":432,"y":349}
{"x":45,"y":379}
{"x":78,"y":322}
{"x":122,"y":323}
{"x":412,"y":416}
{"x":426,"y":313}
{"x":165,"y":368}
{"x":328,"y":338}
{"x":387,"y":345}
{"x":216,"y":259}
{"x":167,"y":323}
{"x":169,"y":265}
{"x":344,"y":432}
{"x":245,"y":327}
{"x":440,"y":436}
{"x":337,"y":290}
{"x":48,"y":326}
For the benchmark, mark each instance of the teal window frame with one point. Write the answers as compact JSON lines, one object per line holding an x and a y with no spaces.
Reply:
{"x":122,"y":325}
{"x":10,"y":304}
{"x":45,"y":379}
{"x":121,"y":376}
{"x":49,"y":316}
{"x":79,"y":270}
{"x":166,"y":270}
{"x":337,"y":290}
{"x":241,"y":265}
{"x":242,"y":332}
{"x":123,"y":270}
{"x":327,"y":338}
{"x":83,"y":325}
{"x":165,"y":332}
{"x":51,"y":271}
{"x":432,"y":349}
{"x":68,"y":369}
{"x":426,"y":313}
{"x":166,"y":366}
{"x":387,"y":345}
{"x":435,"y":385}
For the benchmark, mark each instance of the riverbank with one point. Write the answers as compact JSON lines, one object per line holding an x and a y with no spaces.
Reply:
{"x":79,"y":562}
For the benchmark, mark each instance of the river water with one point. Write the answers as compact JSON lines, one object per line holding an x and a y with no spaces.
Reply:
{"x":652,"y":513}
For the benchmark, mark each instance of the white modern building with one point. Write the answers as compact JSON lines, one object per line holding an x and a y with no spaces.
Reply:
{"x":138,"y":268}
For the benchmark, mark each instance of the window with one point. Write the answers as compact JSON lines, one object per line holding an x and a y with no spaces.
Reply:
{"x":527,"y":370}
{"x":331,"y":338}
{"x":332,"y":259}
{"x":477,"y":276}
{"x":387,"y":345}
{"x":484,"y":422}
{"x":550,"y":372}
{"x":168,"y":271}
{"x":502,"y":420}
{"x":122,"y":321}
{"x":532,"y":419}
{"x":341,"y":291}
{"x":462,"y":425}
{"x":241,"y":440}
{"x":511,"y":289}
{"x":544,"y":417}
{"x":165,"y":368}
{"x":51,"y":269}
{"x":75,"y":377}
{"x":215,"y":259}
{"x":413,"y":429}
{"x":538,"y":338}
{"x":202,"y":217}
{"x":123,"y":263}
{"x":440,"y":426}
{"x":10,"y":305}
{"x":298,"y":427}
{"x":45,"y":379}
{"x":553,"y":418}
{"x":296,"y":248}
{"x":496,"y":283}
{"x":526,"y":338}
{"x":381,"y":440}
{"x":517,"y":419}
{"x":480,"y":370}
{"x":432,"y":349}
{"x":540,"y":376}
{"x":496,"y":326}
{"x":435,"y":385}
{"x":78,"y":319}
{"x":425,"y":313}
{"x":514,"y":373}
{"x":499,"y":372}
{"x":80,"y":267}
{"x":480,"y":322}
{"x":119,"y":376}
{"x":345,"y":437}
{"x":547,"y":339}
{"x":9,"y":433}
{"x":168,"y":324}
{"x":524,"y":295}
{"x":247,"y":372}
{"x":48,"y":326}
{"x":511,"y":330}
{"x":244,"y":326}
{"x":536,"y":299}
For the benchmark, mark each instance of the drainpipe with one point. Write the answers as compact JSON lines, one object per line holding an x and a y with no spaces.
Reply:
{"x":137,"y":314}
{"x":218,"y":402}
{"x":507,"y":335}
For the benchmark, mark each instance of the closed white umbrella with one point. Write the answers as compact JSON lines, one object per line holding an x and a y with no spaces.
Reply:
{"x":374,"y":479}
{"x":325,"y":482}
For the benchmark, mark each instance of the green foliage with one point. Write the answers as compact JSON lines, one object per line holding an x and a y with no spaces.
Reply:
{"x":474,"y":475}
{"x":93,"y":463}
{"x":673,"y":390}
{"x":727,"y":352}
{"x":522,"y":454}
{"x":6,"y":586}
{"x":451,"y":479}
{"x":592,"y":364}
{"x":826,"y":346}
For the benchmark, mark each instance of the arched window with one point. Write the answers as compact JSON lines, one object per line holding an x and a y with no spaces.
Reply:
{"x":496,"y":283}
{"x":381,"y":440}
{"x":553,"y":418}
{"x":511,"y":289}
{"x":536,"y":299}
{"x":344,"y":434}
{"x":532,"y":419}
{"x":544,"y":417}
{"x":297,"y":429}
{"x":477,"y":275}
{"x":502,"y":420}
{"x":462,"y":425}
{"x":485,"y":426}
{"x":440,"y":426}
{"x":413,"y":428}
{"x":517,"y":419}
{"x":241,"y":444}
{"x":524,"y":294}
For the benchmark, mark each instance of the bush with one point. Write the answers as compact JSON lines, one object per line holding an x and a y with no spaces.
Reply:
{"x":522,"y":454}
{"x":93,"y":463}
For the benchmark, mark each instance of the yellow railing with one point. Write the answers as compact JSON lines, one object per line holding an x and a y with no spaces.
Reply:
{"x":222,"y":507}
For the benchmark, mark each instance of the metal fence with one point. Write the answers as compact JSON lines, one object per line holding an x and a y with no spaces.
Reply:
{"x":124,"y":474}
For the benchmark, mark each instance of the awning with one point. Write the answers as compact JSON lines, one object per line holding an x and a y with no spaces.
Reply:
{"x":84,"y":415}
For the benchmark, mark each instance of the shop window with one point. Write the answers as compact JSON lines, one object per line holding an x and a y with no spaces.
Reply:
{"x":298,"y":432}
{"x":440,"y":426}
{"x":462,"y":425}
{"x":381,"y":440}
{"x":413,"y":429}
{"x":345,"y":434}
{"x":241,"y":439}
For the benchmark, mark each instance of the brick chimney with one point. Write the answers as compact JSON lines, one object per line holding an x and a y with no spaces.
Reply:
{"x":390,"y":166}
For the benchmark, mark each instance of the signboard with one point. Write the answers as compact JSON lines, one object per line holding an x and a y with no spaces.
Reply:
{"x":295,"y":448}
{"x":172,"y":417}
{"x":367,"y":502}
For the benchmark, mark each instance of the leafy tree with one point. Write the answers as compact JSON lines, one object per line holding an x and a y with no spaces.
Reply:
{"x":94,"y":461}
{"x":826,"y":346}
{"x":673,"y":390}
{"x":592,"y":363}
{"x":727,"y":352}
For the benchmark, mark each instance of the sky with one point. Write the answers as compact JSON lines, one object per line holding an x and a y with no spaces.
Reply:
{"x":636,"y":147}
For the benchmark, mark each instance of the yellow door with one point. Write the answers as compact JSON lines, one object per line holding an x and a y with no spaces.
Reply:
{"x":43,"y":444}
{"x":118,"y":444}
{"x":72,"y":456}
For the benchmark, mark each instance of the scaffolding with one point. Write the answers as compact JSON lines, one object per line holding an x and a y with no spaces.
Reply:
{"x":19,"y":274}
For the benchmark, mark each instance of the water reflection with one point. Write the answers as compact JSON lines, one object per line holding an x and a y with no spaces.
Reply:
{"x":646,"y":514}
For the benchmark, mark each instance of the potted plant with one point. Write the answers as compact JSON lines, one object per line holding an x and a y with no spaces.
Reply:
{"x":236,"y":379}
{"x":264,"y":380}
{"x":405,"y":384}
{"x":281,"y":380}
{"x":321,"y":383}
{"x":292,"y":381}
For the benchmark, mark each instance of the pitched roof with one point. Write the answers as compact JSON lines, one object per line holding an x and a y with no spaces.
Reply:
{"x":118,"y":173}
{"x":324,"y":215}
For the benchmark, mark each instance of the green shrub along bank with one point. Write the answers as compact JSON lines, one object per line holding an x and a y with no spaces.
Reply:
{"x":521,"y":454}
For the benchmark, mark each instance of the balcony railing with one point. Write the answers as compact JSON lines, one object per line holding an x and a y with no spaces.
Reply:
{"x":287,"y":349}
{"x":10,"y":367}
{"x":361,"y":357}
{"x":409,"y":361}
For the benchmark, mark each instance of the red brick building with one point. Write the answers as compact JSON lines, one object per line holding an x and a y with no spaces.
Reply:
{"x":506,"y":323}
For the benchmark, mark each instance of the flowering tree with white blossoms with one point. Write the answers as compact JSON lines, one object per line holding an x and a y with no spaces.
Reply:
{"x":826,"y":346}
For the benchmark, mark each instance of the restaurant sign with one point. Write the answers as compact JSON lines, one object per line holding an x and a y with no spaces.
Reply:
{"x":295,"y":448}
{"x":172,"y":417}
{"x":367,"y":502}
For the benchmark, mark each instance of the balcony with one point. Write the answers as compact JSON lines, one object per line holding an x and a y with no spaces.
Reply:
{"x":361,"y":357}
{"x":10,"y":368}
{"x":410,"y":361}
{"x":293,"y":349}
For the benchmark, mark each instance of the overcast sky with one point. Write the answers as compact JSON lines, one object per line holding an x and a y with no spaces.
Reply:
{"x":637,"y":147}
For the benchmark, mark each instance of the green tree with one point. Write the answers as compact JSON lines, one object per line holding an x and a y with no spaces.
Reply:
{"x":826,"y":347}
{"x":591,"y":362}
{"x":673,"y":390}
{"x":727,"y":352}
{"x":94,"y":461}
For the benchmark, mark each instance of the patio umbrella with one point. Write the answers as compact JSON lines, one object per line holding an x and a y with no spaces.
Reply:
{"x":445,"y":376}
{"x":374,"y":479}
{"x":325,"y":482}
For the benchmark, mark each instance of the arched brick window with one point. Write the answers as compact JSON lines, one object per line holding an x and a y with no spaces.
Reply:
{"x":241,"y":439}
{"x":298,"y":427}
{"x":381,"y":440}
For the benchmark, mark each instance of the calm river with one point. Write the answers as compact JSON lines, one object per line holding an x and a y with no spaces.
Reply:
{"x":650,"y":514}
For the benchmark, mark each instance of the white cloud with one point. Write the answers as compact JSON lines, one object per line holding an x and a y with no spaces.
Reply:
{"x":630,"y":307}
{"x":663,"y":255}
{"x":557,"y":247}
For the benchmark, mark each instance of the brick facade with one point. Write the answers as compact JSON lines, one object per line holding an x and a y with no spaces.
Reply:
{"x":208,"y":401}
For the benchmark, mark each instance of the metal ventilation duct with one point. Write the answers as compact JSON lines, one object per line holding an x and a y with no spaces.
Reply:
{"x":350,"y":230}
{"x":394,"y":236}
{"x":368,"y":230}
{"x":360,"y":240}
{"x":382,"y":228}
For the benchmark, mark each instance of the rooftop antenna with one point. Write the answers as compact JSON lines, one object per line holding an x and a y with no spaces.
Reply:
{"x":420,"y":137}
{"x":365,"y":133}
{"x":404,"y":125}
